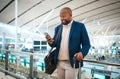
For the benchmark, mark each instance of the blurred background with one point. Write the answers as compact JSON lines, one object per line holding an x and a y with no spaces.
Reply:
{"x":24,"y":22}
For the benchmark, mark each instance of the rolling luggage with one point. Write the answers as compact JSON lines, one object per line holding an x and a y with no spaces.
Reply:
{"x":79,"y":71}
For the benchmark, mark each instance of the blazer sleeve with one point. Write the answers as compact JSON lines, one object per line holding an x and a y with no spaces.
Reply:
{"x":85,"y":41}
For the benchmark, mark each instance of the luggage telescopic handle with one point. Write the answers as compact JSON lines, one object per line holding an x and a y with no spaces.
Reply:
{"x":79,"y":71}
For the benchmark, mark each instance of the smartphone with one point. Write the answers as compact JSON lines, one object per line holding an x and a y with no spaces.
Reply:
{"x":48,"y":37}
{"x":46,"y":34}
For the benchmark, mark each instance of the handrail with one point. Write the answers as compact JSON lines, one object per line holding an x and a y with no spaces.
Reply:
{"x":85,"y":60}
{"x":101,"y":62}
{"x":11,"y":74}
{"x":19,"y":52}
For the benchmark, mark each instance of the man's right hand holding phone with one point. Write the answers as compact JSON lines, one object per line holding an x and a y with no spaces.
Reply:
{"x":48,"y":38}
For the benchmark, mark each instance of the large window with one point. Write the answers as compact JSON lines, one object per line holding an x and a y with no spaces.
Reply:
{"x":43,"y":43}
{"x":36,"y":42}
{"x":36,"y":48}
{"x":43,"y":47}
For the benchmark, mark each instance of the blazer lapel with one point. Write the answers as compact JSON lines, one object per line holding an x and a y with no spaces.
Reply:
{"x":60,"y":35}
{"x":71,"y":30}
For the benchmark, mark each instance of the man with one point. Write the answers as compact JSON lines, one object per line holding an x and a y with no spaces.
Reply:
{"x":72,"y":43}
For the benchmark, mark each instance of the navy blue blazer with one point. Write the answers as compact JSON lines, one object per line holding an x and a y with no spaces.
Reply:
{"x":78,"y":42}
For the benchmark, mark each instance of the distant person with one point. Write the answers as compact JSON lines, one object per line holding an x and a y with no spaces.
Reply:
{"x":72,"y":42}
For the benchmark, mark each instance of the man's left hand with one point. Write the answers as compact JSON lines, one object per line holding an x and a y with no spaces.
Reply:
{"x":78,"y":56}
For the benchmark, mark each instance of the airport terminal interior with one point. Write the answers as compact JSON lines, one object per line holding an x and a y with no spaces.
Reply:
{"x":23,"y":45}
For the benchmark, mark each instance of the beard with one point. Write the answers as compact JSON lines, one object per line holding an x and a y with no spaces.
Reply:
{"x":66,"y":22}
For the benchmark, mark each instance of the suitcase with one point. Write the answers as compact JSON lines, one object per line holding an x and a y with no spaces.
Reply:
{"x":79,"y":70}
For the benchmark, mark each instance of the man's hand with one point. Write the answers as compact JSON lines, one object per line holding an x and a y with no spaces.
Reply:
{"x":49,"y":39}
{"x":78,"y":56}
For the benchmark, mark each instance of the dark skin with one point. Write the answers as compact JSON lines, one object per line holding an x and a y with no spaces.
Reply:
{"x":66,"y":18}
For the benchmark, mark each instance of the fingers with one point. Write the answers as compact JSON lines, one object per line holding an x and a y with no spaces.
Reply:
{"x":78,"y":56}
{"x":49,"y":39}
{"x":75,"y":55}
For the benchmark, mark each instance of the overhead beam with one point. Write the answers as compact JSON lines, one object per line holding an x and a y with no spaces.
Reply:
{"x":6,"y":6}
{"x":26,"y":11}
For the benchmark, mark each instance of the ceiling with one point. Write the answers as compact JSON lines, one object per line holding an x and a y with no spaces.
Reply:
{"x":101,"y":17}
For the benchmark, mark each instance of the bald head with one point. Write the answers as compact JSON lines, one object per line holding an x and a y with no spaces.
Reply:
{"x":66,"y":15}
{"x":66,"y":9}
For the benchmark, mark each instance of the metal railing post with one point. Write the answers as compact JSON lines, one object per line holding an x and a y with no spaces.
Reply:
{"x":6,"y":61}
{"x":31,"y":67}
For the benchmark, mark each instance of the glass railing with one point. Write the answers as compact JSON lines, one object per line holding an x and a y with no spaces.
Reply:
{"x":26,"y":65}
{"x":103,"y":69}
